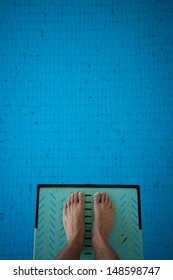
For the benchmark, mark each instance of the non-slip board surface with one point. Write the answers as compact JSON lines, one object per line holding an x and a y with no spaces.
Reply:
{"x":50,"y":238}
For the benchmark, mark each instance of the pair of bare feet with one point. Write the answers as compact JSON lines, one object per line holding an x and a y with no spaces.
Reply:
{"x":73,"y":218}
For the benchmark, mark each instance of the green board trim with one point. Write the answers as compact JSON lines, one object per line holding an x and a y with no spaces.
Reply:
{"x":126,"y":237}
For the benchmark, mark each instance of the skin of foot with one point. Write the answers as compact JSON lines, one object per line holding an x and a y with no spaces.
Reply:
{"x":102,"y":227}
{"x":103,"y":217}
{"x":73,"y":218}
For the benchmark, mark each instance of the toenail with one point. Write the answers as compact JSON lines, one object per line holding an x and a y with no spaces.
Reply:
{"x":80,"y":193}
{"x":97,"y":194}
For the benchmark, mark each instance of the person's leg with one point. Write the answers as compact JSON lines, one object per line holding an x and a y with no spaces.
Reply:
{"x":73,"y":218}
{"x":102,"y":226}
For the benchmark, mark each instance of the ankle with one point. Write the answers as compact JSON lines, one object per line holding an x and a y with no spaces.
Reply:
{"x":102,"y":249}
{"x":99,"y":236}
{"x":77,"y":240}
{"x":97,"y":239}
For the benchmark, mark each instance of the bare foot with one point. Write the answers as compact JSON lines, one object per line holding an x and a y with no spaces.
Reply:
{"x":73,"y":217}
{"x":103,"y":216}
{"x":102,"y":227}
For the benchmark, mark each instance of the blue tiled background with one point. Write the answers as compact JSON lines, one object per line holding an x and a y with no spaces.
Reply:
{"x":86,"y":96}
